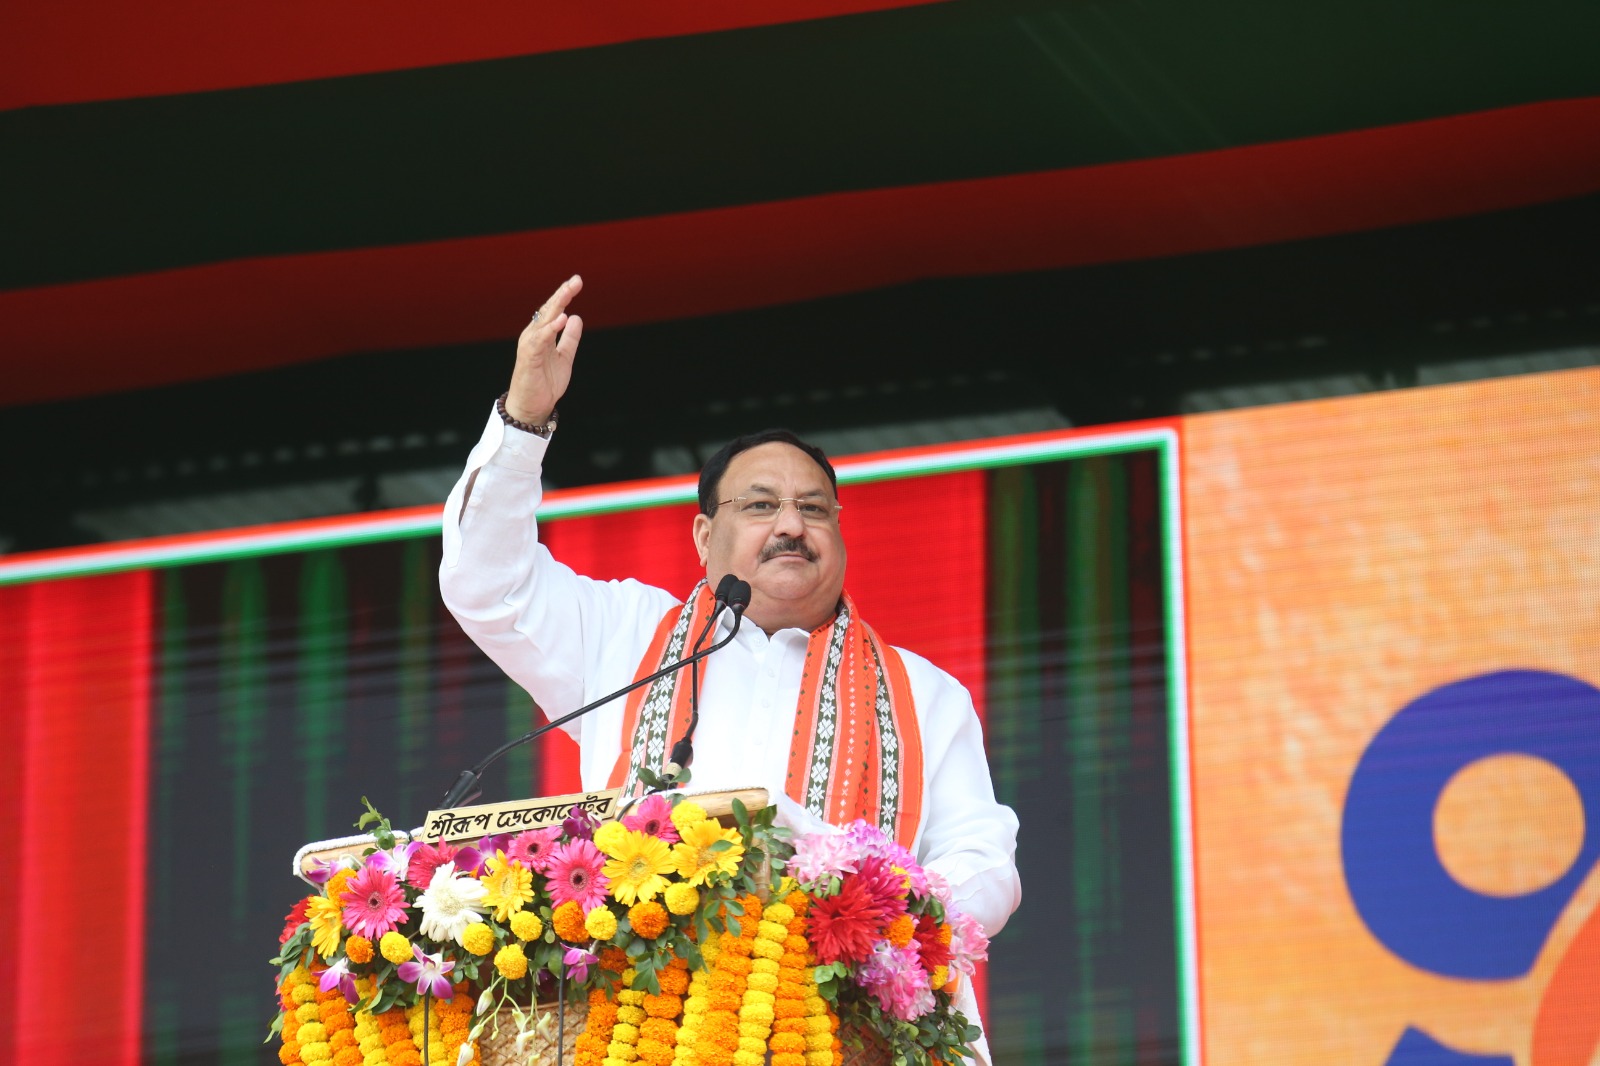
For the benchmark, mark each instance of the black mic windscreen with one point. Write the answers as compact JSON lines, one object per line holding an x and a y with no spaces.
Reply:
{"x":739,"y":595}
{"x":725,"y":588}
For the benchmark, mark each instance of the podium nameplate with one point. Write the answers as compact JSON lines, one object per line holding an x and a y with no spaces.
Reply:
{"x":462,"y":823}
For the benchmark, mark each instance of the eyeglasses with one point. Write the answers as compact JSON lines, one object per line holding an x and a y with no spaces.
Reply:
{"x":813,"y":510}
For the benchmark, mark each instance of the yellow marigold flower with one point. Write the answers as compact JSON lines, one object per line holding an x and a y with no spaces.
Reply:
{"x":359,"y":948}
{"x":763,"y":982}
{"x":395,"y":948}
{"x":312,"y":1033}
{"x":526,"y":925}
{"x":303,"y":994}
{"x":682,"y":898}
{"x":610,"y":836}
{"x":634,"y":1016}
{"x":509,"y":886}
{"x":687,"y":813}
{"x":318,"y":1051}
{"x":941,"y":976}
{"x":600,"y":922}
{"x":478,"y":938}
{"x":511,"y":962}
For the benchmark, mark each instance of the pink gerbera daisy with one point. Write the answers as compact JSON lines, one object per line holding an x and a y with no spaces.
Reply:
{"x":654,"y":816}
{"x":575,"y":875}
{"x":534,"y":847}
{"x":373,"y":903}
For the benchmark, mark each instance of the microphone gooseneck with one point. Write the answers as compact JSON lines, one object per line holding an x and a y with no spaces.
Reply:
{"x":467,"y":787}
{"x":738,"y":600}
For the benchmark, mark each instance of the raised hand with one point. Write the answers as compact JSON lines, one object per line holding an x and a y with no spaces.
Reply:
{"x":544,"y":357}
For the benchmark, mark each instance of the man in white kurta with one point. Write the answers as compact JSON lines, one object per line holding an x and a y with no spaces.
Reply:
{"x":568,"y":639}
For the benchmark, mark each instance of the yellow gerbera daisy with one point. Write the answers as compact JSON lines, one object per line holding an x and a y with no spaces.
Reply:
{"x":325,"y":916}
{"x":509,"y":884}
{"x":635,"y":871}
{"x":694,"y":858}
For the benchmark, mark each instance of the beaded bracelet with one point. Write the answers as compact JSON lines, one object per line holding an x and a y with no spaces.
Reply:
{"x":544,"y":431}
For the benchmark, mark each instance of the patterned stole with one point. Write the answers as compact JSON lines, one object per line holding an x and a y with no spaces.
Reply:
{"x":857,"y":750}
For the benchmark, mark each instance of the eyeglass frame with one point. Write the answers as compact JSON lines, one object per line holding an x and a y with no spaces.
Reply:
{"x":833,"y":508}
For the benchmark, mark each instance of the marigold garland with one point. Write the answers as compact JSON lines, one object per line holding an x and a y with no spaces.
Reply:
{"x":695,"y":1005}
{"x":591,"y":1047}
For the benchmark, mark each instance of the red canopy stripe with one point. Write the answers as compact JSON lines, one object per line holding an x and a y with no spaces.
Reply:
{"x":162,"y":328}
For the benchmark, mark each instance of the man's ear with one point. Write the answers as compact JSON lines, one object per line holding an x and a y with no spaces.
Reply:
{"x":702,"y":537}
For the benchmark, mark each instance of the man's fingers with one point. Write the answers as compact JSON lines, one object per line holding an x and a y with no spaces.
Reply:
{"x":560,"y":298}
{"x":567,"y":346}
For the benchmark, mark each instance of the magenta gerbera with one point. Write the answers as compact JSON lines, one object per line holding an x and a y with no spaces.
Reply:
{"x":534,"y":847}
{"x":373,"y":903}
{"x":654,"y":816}
{"x":575,"y":875}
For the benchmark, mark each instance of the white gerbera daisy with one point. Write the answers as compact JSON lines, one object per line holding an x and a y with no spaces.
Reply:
{"x":451,"y":903}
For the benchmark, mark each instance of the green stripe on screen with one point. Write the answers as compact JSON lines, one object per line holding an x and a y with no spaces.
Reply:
{"x":936,"y":93}
{"x":164,"y":991}
{"x":243,"y":692}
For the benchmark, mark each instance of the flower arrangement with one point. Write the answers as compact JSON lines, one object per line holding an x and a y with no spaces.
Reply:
{"x":888,"y":945}
{"x":661,"y":922}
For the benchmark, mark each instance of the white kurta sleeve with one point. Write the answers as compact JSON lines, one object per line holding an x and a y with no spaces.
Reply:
{"x":967,"y":835}
{"x":563,"y":637}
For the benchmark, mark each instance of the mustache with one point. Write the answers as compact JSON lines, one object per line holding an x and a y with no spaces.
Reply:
{"x":787,"y":545}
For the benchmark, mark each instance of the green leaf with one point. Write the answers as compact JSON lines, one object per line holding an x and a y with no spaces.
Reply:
{"x":741,"y":814}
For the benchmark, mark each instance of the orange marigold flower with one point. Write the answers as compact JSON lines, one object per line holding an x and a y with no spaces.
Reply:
{"x":614,"y":959}
{"x":901,"y":930}
{"x":289,"y":1054}
{"x":789,"y":1042}
{"x":788,"y":1058}
{"x":663,"y":1006}
{"x":674,"y":981}
{"x":568,"y":920}
{"x":359,"y":948}
{"x":649,"y":919}
{"x":659,"y":1028}
{"x":347,"y":1056}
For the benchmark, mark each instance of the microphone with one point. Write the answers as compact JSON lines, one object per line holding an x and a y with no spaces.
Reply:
{"x":467,"y":786}
{"x":683,"y":751}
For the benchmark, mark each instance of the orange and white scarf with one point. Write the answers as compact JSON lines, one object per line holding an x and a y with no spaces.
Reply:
{"x":857,"y":751}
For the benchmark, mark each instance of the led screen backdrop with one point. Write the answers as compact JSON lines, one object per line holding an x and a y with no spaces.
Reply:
{"x":207,"y":715}
{"x":1297,"y":706}
{"x":1394,"y":647}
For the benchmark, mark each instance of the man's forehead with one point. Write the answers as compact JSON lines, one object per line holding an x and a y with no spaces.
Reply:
{"x":775,"y":465}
